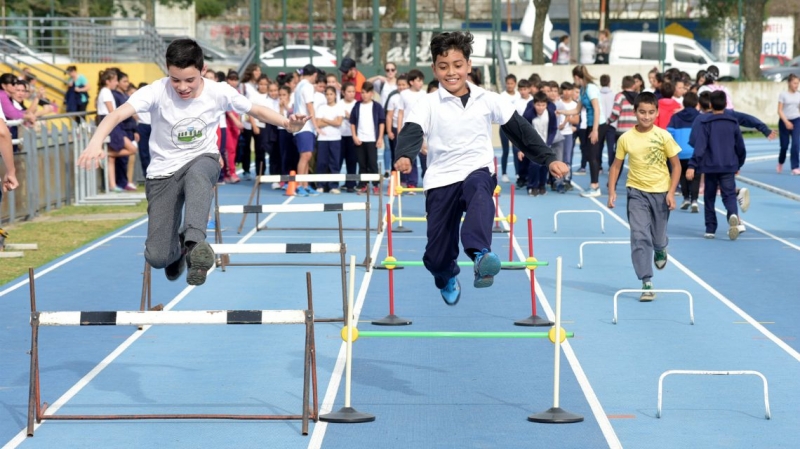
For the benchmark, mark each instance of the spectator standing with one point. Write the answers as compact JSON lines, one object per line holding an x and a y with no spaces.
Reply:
{"x":603,"y":47}
{"x":512,"y":95}
{"x":588,"y":51}
{"x":789,"y":125}
{"x":563,"y":57}
{"x":351,"y":74}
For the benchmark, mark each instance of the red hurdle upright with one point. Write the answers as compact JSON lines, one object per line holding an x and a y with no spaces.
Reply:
{"x":534,"y":319}
{"x":513,"y":218}
{"x":497,"y":228}
{"x":391,"y":319}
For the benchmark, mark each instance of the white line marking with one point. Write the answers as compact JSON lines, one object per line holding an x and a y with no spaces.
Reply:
{"x":752,"y":226}
{"x":75,"y":389}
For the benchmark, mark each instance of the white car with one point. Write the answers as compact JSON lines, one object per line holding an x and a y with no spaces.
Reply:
{"x":14,"y":50}
{"x":298,"y":56}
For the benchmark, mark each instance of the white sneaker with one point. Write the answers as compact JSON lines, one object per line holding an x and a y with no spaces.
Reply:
{"x":743,"y":197}
{"x":320,"y":190}
{"x":591,"y":193}
{"x":741,"y":228}
{"x":276,"y":186}
{"x":335,"y":191}
{"x":505,"y":179}
{"x":733,"y":229}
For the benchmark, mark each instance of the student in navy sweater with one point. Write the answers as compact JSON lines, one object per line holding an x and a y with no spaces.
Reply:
{"x":680,"y":126}
{"x":719,"y":153}
{"x":456,"y":120}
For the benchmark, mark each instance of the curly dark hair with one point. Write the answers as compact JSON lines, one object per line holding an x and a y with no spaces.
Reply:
{"x":457,"y":40}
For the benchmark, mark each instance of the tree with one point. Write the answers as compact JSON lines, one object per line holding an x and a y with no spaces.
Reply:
{"x":388,"y":21}
{"x":537,"y":39}
{"x":722,"y":13}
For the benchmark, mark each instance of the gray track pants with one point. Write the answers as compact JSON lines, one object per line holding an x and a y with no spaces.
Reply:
{"x":647,"y":215}
{"x":192,"y":185}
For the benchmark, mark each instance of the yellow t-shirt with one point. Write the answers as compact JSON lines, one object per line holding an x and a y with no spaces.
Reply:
{"x":647,"y":158}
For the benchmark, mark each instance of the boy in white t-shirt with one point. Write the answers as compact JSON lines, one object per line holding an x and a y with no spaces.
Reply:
{"x":329,"y":142}
{"x":520,"y":105}
{"x":185,"y":109}
{"x":457,"y":119}
{"x":348,"y":155}
{"x":410,"y":97}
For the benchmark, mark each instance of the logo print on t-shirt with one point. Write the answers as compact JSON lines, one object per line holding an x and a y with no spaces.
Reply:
{"x":189,"y":133}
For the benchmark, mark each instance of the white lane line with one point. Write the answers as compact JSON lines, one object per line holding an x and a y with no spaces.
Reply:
{"x":591,"y":397}
{"x":73,"y":257}
{"x":724,"y":300}
{"x":75,"y":389}
{"x":318,"y":434}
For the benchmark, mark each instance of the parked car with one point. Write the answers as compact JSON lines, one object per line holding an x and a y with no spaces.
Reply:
{"x":769,"y":61}
{"x":516,"y":49}
{"x":783,"y":72}
{"x":298,"y":56}
{"x":628,"y":47}
{"x":14,"y":50}
{"x":215,"y":57}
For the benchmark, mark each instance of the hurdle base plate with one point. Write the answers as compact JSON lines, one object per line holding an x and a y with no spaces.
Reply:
{"x":381,"y":267}
{"x":513,"y":268}
{"x":392,"y":320}
{"x":534,"y":320}
{"x":555,"y":415}
{"x":402,"y":229}
{"x":499,"y":231}
{"x":347,"y":415}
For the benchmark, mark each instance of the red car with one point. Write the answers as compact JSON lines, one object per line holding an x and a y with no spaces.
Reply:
{"x":769,"y":61}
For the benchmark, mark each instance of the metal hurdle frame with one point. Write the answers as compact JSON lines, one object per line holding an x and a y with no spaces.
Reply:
{"x":638,"y":290}
{"x":767,"y":415}
{"x":37,"y":409}
{"x":585,"y":211}
{"x":598,"y":242}
{"x":265,"y":179}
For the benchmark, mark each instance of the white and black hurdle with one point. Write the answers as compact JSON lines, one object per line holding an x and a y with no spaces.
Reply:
{"x":37,"y":410}
{"x":267,"y":179}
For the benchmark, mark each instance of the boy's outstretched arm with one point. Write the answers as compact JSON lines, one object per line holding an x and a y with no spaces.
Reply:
{"x":524,"y":137}
{"x":292,"y":124}
{"x":93,"y":153}
{"x":409,"y":143}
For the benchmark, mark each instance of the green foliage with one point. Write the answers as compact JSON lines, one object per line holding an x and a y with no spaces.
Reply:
{"x":68,"y":8}
{"x":718,"y":15}
{"x":209,"y":8}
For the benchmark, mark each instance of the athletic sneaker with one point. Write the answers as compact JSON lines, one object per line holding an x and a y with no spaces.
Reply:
{"x":796,"y":172}
{"x":733,"y":230}
{"x":505,"y":178}
{"x":542,"y":191}
{"x":335,"y":191}
{"x":174,"y":270}
{"x":212,"y":225}
{"x":199,"y":260}
{"x":647,"y":296}
{"x":533,"y":192}
{"x":246,"y":176}
{"x":709,"y":235}
{"x":301,"y":191}
{"x":685,"y":205}
{"x":451,"y":292}
{"x":660,"y":258}
{"x":276,"y":186}
{"x":487,"y":265}
{"x":591,"y":193}
{"x":581,"y":172}
{"x":695,"y":207}
{"x":743,"y":197}
{"x":376,"y":190}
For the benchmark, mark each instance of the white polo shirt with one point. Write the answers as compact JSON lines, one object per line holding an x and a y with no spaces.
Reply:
{"x":303,"y":95}
{"x":459,"y":138}
{"x":184,"y":129}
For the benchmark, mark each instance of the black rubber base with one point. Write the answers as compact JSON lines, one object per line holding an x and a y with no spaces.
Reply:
{"x":347,"y":415}
{"x":499,"y":231}
{"x":401,"y":229}
{"x":555,"y":415}
{"x":381,"y":267}
{"x":392,"y":320}
{"x":513,"y":268}
{"x":534,"y":320}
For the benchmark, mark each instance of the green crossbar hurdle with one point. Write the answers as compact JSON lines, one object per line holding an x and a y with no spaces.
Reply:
{"x":530,"y":263}
{"x":439,"y":334}
{"x":555,"y":414}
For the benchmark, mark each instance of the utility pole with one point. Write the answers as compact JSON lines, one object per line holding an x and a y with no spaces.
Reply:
{"x":574,"y":28}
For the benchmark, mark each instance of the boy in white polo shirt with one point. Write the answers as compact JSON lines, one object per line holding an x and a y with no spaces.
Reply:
{"x":185,"y":110}
{"x":457,"y":122}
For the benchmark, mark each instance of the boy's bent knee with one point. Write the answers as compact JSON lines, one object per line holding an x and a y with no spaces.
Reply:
{"x":157,"y":258}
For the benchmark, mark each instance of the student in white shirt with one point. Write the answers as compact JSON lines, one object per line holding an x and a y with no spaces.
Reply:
{"x":329,"y":142}
{"x":185,"y":109}
{"x":457,"y":121}
{"x":304,"y":104}
{"x":119,"y":144}
{"x":520,"y":105}
{"x":568,"y":103}
{"x":349,"y":156}
{"x":394,"y":107}
{"x":511,"y":94}
{"x":410,"y":97}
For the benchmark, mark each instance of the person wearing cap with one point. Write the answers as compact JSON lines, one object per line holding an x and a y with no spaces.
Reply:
{"x":351,"y":74}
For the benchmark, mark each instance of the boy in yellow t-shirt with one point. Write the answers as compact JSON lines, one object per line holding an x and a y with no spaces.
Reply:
{"x":651,"y":188}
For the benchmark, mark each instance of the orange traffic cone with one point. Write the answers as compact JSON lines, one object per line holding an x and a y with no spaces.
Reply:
{"x":292,"y":187}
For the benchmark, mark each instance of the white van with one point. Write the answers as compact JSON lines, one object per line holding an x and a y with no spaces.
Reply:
{"x":516,"y":48}
{"x":628,"y":47}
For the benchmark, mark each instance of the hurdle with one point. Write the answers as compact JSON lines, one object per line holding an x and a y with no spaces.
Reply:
{"x":661,"y":378}
{"x":37,"y":410}
{"x":256,"y":193}
{"x":557,"y":335}
{"x":511,"y":233}
{"x":497,"y":228}
{"x":391,"y":319}
{"x":587,"y":211}
{"x":635,"y":290}
{"x":534,"y":319}
{"x":606,"y":242}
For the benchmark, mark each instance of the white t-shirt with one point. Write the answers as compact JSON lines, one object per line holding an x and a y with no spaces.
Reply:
{"x":330,"y":133}
{"x":366,"y":127}
{"x":319,"y":100}
{"x":102,"y":97}
{"x":144,"y":118}
{"x":459,"y":138}
{"x":540,"y":124}
{"x":512,"y":98}
{"x":791,"y":104}
{"x":410,"y":98}
{"x":304,"y":94}
{"x":345,"y":128}
{"x":522,"y":103}
{"x":588,"y":52}
{"x":386,"y":89}
{"x":566,"y":106}
{"x":395,"y":104}
{"x":184,"y":129}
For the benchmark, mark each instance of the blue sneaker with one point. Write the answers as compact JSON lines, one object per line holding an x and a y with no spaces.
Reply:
{"x":301,"y":191}
{"x":451,"y":293}
{"x":487,"y":265}
{"x":212,"y":224}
